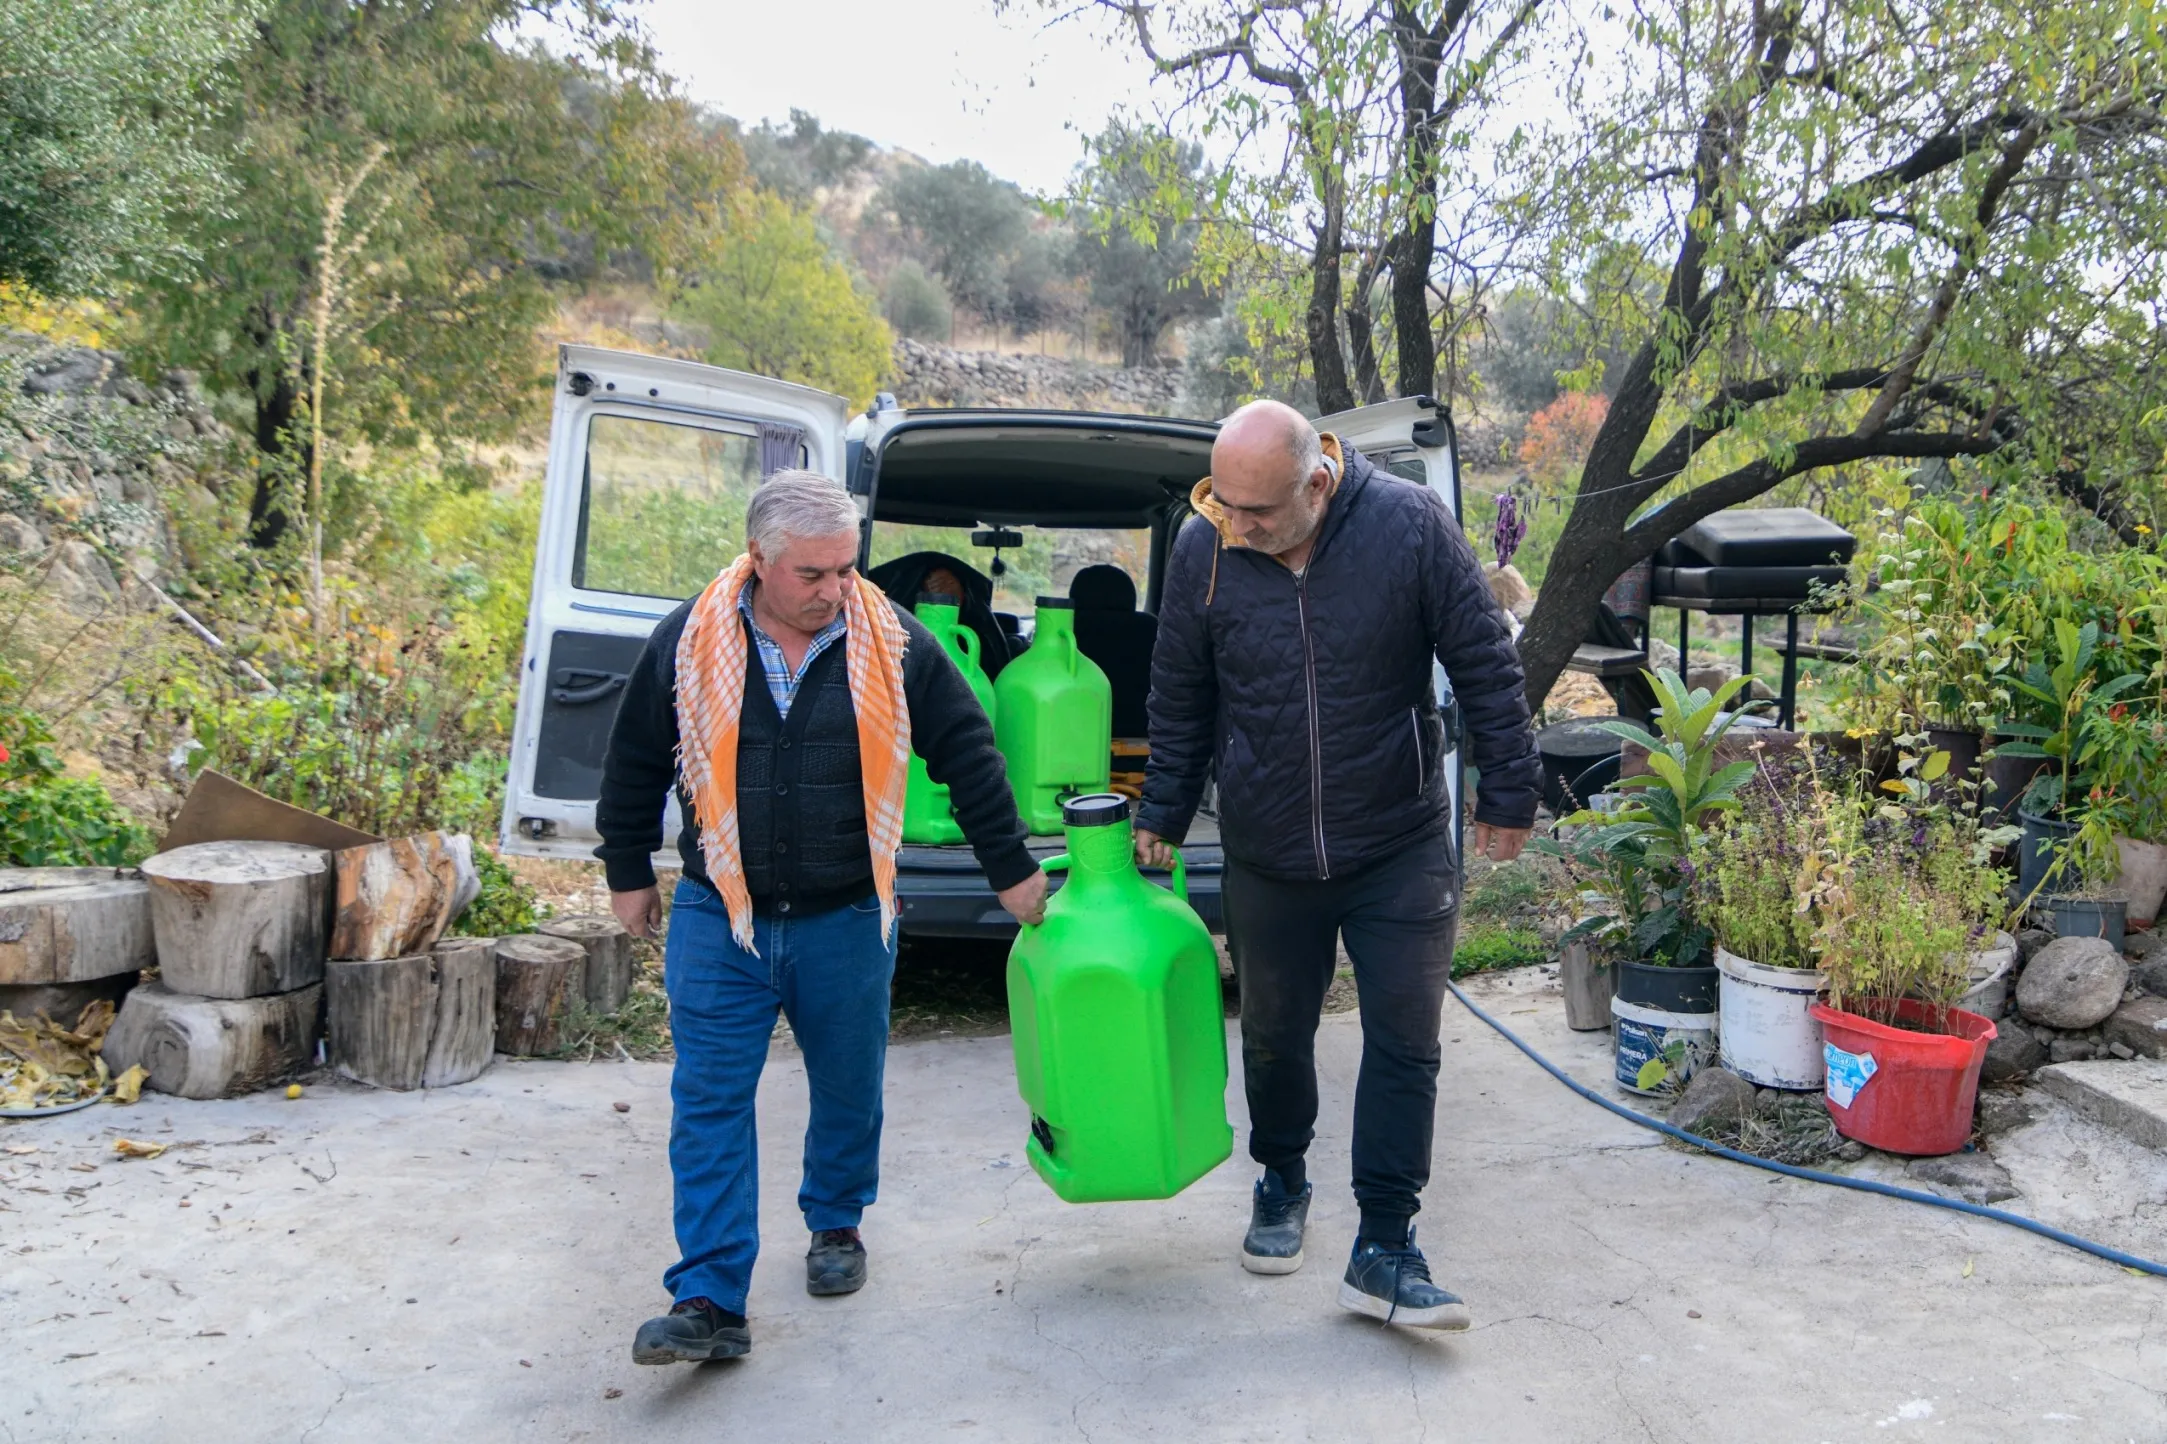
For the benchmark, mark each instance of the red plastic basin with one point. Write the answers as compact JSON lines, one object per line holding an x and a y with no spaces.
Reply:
{"x":1920,"y":1096}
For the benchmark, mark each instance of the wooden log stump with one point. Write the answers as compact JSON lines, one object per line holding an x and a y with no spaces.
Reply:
{"x":215,"y":1047}
{"x":378,"y":1015}
{"x":609,"y":957}
{"x":465,"y":1036}
{"x":396,"y":898}
{"x":240,"y":919}
{"x":63,"y":1002}
{"x":539,"y":979}
{"x":68,"y":925}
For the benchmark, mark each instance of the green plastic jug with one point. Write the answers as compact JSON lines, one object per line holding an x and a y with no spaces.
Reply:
{"x":928,"y":816}
{"x":1055,"y":719}
{"x":1120,"y":1035}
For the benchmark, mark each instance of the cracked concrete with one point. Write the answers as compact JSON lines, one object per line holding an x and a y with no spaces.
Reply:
{"x":474,"y":1269}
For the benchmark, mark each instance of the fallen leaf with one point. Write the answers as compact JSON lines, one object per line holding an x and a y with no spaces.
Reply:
{"x":22,"y":1148}
{"x":129,"y":1086}
{"x":129,"y":1148}
{"x":1967,"y":1268}
{"x":613,"y":1393}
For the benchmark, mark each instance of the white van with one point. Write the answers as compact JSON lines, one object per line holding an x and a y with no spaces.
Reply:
{"x":651,"y":461}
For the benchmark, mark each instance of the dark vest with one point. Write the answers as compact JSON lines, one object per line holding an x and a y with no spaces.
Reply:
{"x":800,"y":793}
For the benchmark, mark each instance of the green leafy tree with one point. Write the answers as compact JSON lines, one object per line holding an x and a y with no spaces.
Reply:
{"x":1885,"y":232}
{"x":100,"y":151}
{"x":497,"y":157}
{"x":776,"y":302}
{"x":1139,"y":253}
{"x":916,"y":303}
{"x":967,"y":223}
{"x":801,"y":157}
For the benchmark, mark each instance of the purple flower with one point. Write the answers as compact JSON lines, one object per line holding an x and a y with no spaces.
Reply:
{"x":1918,"y":836}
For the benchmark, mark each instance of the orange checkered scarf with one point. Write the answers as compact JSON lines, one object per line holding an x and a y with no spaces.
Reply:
{"x":711,"y":661}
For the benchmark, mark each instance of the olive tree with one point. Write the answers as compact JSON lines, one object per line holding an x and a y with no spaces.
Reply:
{"x":1879,"y":231}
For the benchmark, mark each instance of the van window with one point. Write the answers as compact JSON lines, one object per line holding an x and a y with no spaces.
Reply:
{"x":1044,"y":565}
{"x":663,"y":507}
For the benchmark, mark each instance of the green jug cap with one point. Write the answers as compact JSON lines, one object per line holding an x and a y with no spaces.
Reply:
{"x":1056,"y":604}
{"x":1097,"y":809}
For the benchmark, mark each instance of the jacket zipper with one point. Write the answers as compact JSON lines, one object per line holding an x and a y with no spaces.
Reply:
{"x":1316,"y":748}
{"x":1422,"y":763}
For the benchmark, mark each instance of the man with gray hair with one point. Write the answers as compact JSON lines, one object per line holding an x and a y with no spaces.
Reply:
{"x":1303,"y":608}
{"x":783,"y":704}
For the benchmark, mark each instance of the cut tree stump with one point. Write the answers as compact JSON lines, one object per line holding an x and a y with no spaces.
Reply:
{"x":214,"y":1047}
{"x":609,"y":957}
{"x":396,"y":898}
{"x":465,"y":1036}
{"x":63,"y":1002}
{"x":539,"y":979}
{"x":413,"y":1022}
{"x":72,"y":925}
{"x":240,"y":919}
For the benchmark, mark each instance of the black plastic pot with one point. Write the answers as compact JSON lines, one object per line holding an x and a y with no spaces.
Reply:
{"x":1579,"y":759}
{"x":1963,"y":749}
{"x":2088,"y":917}
{"x":2006,"y":778}
{"x":2036,"y":850}
{"x":1674,"y":990}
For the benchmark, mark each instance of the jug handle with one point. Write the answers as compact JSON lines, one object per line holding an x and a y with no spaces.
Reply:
{"x":1181,"y":873}
{"x":1056,"y":863}
{"x":968,"y":640}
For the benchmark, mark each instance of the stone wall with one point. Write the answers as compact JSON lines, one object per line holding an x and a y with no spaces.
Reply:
{"x":927,"y":375}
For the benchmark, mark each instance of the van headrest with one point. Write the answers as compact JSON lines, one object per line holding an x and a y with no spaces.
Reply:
{"x":1103,"y":588}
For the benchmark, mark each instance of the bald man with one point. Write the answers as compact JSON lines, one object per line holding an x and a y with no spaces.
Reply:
{"x":1302,"y":609}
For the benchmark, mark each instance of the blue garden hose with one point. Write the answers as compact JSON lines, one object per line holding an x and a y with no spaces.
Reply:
{"x":1863,"y":1185}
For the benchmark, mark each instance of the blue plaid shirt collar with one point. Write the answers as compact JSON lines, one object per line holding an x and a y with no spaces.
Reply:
{"x":782,"y":683}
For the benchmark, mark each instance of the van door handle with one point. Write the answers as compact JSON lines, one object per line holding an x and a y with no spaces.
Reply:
{"x":576,"y":687}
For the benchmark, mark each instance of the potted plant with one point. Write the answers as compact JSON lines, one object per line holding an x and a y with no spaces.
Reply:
{"x":2079,"y":893}
{"x":2129,"y":748}
{"x":1746,"y":886}
{"x":1901,"y":897}
{"x":1638,"y":857}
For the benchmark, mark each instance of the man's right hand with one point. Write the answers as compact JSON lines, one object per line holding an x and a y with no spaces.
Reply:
{"x":640,"y":912}
{"x":1153,"y":850}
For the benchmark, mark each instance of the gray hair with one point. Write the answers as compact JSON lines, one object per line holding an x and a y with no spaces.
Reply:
{"x":795,"y":505}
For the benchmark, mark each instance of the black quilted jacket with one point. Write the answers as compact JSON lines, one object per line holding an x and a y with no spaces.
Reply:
{"x":1314,"y":696}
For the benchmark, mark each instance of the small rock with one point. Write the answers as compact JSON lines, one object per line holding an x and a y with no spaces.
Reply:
{"x":2072,"y":983}
{"x":68,"y":373}
{"x":2120,"y":1050}
{"x":1851,"y":1151}
{"x":1511,"y":590}
{"x":1711,"y":675}
{"x":2070,"y":1050}
{"x":622,"y":1107}
{"x":2151,"y":975}
{"x":2138,"y":1028}
{"x":2030,"y":941}
{"x":1715,"y":1096}
{"x":1998,"y":1112}
{"x":2140,"y":944}
{"x":2013,"y":1053}
{"x":18,"y":535}
{"x":1973,"y":1177}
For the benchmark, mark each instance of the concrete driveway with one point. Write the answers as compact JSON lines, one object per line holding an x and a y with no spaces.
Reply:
{"x":469,"y":1265}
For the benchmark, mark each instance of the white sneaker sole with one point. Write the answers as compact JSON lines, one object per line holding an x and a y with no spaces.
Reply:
{"x":1258,"y":1263}
{"x":1445,"y":1318}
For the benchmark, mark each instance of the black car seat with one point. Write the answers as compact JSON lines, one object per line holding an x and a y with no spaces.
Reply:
{"x":1111,"y":632}
{"x":905,"y":578}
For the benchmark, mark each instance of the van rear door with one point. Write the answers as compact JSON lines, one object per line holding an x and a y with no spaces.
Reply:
{"x":651,"y":463}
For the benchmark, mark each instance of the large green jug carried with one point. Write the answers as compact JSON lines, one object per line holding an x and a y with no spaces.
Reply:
{"x":927,"y":814}
{"x":1120,"y":1035}
{"x":1054,"y":721}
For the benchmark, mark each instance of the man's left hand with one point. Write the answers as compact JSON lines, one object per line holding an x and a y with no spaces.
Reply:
{"x":1026,"y":901}
{"x":1500,"y":844}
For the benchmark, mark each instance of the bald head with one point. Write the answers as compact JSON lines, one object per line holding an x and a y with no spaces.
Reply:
{"x":1267,"y":470}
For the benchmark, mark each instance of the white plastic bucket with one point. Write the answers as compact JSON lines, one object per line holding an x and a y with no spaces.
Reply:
{"x":1641,"y":1034}
{"x":1988,"y":994}
{"x":1769,"y":1037}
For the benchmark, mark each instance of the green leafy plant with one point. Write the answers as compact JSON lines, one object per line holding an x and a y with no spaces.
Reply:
{"x":48,"y":819}
{"x":1746,"y":873}
{"x":2072,"y":696}
{"x":1639,"y":855}
{"x":505,"y":905}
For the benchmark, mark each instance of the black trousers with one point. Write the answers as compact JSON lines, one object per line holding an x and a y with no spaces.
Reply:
{"x":1399,"y":917}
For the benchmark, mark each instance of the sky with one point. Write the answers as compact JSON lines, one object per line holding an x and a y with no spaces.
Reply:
{"x":956,"y":81}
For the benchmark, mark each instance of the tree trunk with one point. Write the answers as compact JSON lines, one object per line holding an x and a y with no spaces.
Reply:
{"x":1412,"y":248}
{"x":464,"y":1036}
{"x":214,"y":1047}
{"x":396,"y":898}
{"x":378,"y":1014}
{"x":240,"y":919}
{"x":539,"y":980}
{"x":277,"y":445}
{"x":609,"y":957}
{"x":66,"y":925}
{"x":1321,"y":323}
{"x":1361,"y":335}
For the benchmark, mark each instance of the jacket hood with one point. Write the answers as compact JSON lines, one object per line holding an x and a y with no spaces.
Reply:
{"x":1205,"y":503}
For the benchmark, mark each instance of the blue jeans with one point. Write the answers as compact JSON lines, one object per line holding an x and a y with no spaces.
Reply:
{"x":829,"y":975}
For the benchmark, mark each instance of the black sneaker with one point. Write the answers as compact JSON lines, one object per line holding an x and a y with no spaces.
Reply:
{"x":1276,"y":1220}
{"x":835,"y":1264}
{"x":691,"y":1333}
{"x":1393,"y":1284}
